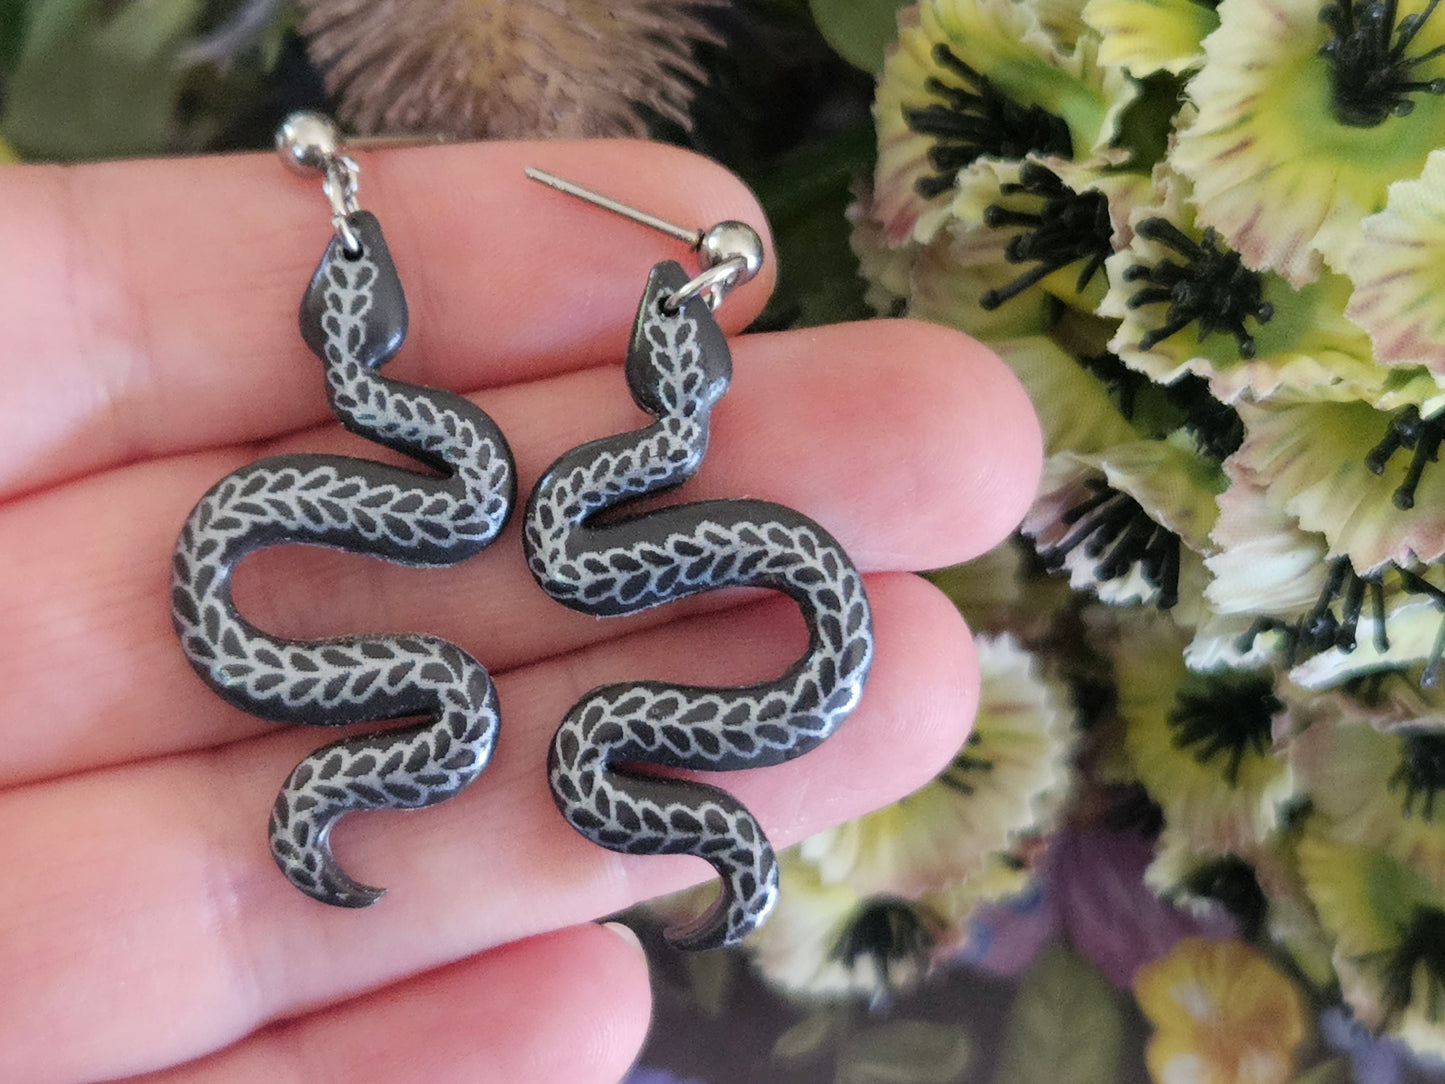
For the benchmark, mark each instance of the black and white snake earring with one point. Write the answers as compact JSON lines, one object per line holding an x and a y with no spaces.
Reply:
{"x":354,"y":318}
{"x":678,"y":367}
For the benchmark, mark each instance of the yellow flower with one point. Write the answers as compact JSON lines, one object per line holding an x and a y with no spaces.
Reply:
{"x":1147,"y":36}
{"x":969,"y":79}
{"x":1222,"y":1014}
{"x":1307,"y":112}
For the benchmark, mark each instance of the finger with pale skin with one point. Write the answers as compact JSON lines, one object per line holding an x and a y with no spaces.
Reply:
{"x":569,"y":1007}
{"x":912,"y":444}
{"x":146,"y":893}
{"x":155,"y":309}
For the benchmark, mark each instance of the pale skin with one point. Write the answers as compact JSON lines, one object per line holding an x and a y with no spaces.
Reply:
{"x":149,"y":347}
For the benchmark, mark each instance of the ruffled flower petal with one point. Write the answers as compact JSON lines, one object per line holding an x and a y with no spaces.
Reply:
{"x":1148,"y":36}
{"x":981,"y":78}
{"x":1285,"y":157}
{"x":1130,"y":523}
{"x":1399,"y":275}
{"x":1006,"y":783}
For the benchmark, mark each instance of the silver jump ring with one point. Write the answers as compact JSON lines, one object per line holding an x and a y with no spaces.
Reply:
{"x":711,"y":285}
{"x":341,"y":185}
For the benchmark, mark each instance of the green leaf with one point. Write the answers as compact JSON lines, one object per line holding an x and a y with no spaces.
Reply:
{"x":858,"y":30}
{"x":905,"y":1052}
{"x":1066,"y":1025}
{"x":12,"y":33}
{"x":95,"y":80}
{"x":806,"y":197}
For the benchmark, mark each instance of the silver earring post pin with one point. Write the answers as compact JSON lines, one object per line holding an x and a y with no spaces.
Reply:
{"x":730,"y":252}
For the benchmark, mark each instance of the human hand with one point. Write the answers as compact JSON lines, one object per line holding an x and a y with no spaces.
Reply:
{"x":150,"y":347}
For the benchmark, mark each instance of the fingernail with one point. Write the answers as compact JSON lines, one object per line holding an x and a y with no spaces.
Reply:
{"x":626,"y":934}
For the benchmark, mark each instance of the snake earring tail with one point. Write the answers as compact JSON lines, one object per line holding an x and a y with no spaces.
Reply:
{"x":353,"y":317}
{"x":678,"y":367}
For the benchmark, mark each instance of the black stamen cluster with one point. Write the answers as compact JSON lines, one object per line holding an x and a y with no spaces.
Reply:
{"x":1420,"y":435}
{"x":1066,"y":227}
{"x":1231,"y":882}
{"x":1214,"y":425}
{"x":977,"y":120}
{"x":888,"y":932}
{"x":1421,"y":772}
{"x":1416,"y":584}
{"x":1320,"y":629}
{"x":1422,"y":944}
{"x":1372,"y":77}
{"x":1113,"y":525}
{"x":1227,"y":716}
{"x":1212,"y":287}
{"x":956,"y":775}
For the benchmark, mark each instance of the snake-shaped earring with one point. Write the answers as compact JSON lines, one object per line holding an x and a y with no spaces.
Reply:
{"x":353,"y":317}
{"x":678,"y":367}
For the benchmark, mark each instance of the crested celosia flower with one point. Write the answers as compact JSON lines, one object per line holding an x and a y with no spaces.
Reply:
{"x":1398,"y":274}
{"x":969,"y":79}
{"x":1307,"y":111}
{"x":1148,"y":36}
{"x":507,"y":70}
{"x":1006,"y":783}
{"x":1222,"y":1014}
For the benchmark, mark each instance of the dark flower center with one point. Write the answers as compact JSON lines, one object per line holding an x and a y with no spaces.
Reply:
{"x":964,"y":765}
{"x":1114,"y":526}
{"x":1215,"y":426}
{"x":1421,"y":436}
{"x":1225,"y":715}
{"x":1421,"y":773}
{"x":1065,"y":227}
{"x":1231,"y":882}
{"x":1422,"y":942}
{"x":889,"y":932}
{"x":1211,"y":287}
{"x":975,"y":120}
{"x":1321,"y":629}
{"x":1372,"y":75}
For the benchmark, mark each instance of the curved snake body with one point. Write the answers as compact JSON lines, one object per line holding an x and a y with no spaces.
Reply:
{"x":354,"y":318}
{"x":678,"y":367}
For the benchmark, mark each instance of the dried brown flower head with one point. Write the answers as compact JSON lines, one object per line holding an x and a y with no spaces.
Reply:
{"x":508,"y":68}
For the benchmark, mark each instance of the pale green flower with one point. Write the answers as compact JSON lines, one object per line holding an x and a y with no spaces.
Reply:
{"x":969,"y":79}
{"x":1007,"y":783}
{"x":1130,"y":523}
{"x":1389,"y":926}
{"x":1306,"y":113}
{"x":1187,"y":304}
{"x":1148,"y":36}
{"x":1202,"y":744}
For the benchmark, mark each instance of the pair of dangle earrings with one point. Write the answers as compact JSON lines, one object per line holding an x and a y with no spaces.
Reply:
{"x":354,"y":318}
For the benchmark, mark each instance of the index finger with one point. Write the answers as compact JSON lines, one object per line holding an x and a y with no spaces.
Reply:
{"x":150,"y":307}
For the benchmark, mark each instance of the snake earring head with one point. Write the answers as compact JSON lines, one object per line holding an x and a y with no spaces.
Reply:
{"x":354,"y":318}
{"x":678,"y":366}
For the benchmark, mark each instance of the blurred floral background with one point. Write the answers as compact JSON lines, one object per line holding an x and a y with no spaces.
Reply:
{"x":1198,"y":834}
